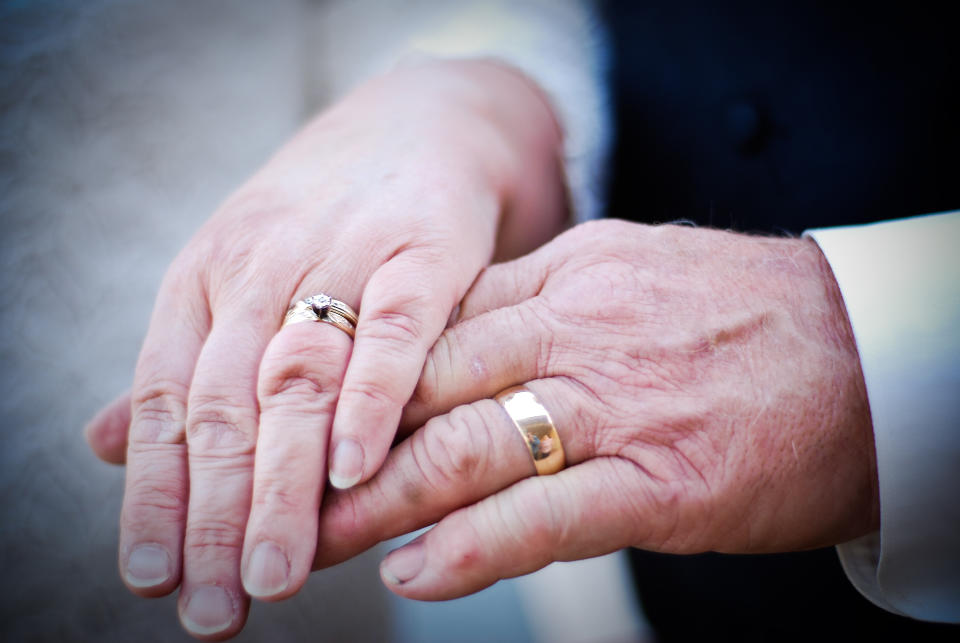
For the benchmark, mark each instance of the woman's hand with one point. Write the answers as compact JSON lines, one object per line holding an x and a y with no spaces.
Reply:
{"x":391,"y":201}
{"x":705,"y":386}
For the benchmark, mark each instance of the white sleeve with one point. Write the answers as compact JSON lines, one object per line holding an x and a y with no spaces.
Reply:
{"x":900,"y":282}
{"x":560,"y":44}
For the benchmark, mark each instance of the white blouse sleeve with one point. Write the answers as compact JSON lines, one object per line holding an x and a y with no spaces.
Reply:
{"x":900,"y":282}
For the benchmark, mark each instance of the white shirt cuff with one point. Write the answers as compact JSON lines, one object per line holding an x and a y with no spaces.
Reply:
{"x":900,"y":282}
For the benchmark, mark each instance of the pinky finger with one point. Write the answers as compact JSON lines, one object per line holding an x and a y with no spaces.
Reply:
{"x":107,"y":432}
{"x":578,"y":513}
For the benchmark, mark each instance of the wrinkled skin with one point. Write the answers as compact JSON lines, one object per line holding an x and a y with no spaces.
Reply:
{"x":393,"y":201}
{"x":705,"y":386}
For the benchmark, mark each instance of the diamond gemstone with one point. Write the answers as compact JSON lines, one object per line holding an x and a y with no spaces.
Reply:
{"x":320,"y":303}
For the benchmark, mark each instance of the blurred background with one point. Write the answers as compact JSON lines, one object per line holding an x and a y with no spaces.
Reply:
{"x":122,"y":126}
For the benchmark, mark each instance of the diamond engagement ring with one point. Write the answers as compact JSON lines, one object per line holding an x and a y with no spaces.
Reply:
{"x":323,"y":308}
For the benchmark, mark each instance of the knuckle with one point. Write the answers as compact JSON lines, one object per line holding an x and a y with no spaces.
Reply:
{"x":215,"y":426}
{"x":393,"y":329}
{"x":668,"y":501}
{"x":246,"y":217}
{"x":400,"y":315}
{"x":157,"y":498}
{"x":150,"y":500}
{"x":437,"y":369}
{"x":372,"y":393}
{"x":297,"y":390}
{"x":276,"y":497}
{"x":184,"y":286}
{"x":543,"y":524}
{"x":642,"y":495}
{"x":527,"y":532}
{"x":158,"y":414}
{"x":664,"y":492}
{"x":300,"y":369}
{"x":344,"y":518}
{"x":457,"y":448}
{"x":211,"y":534}
{"x":296,"y":385}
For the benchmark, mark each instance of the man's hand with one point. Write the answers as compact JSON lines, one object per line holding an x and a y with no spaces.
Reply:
{"x":391,"y":201}
{"x":706,"y":388}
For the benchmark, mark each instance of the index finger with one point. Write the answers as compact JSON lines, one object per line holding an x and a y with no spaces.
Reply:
{"x":401,"y":315}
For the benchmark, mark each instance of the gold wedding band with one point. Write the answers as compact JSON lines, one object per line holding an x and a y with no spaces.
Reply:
{"x":535,"y":426}
{"x":323,"y":308}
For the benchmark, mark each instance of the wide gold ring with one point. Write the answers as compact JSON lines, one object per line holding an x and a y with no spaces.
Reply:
{"x":536,"y":428}
{"x":323,"y":308}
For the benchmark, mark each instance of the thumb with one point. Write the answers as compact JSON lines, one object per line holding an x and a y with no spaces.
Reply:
{"x":107,"y":432}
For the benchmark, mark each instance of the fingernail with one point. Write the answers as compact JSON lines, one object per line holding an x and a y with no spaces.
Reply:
{"x":402,"y":565}
{"x":268,"y":571}
{"x":148,"y":566}
{"x":209,"y":610}
{"x":347,"y":464}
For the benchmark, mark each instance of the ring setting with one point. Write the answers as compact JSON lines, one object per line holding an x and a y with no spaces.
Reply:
{"x":320,"y":303}
{"x":323,"y":308}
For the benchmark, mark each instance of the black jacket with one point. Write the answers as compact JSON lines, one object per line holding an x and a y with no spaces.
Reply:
{"x":784,"y":115}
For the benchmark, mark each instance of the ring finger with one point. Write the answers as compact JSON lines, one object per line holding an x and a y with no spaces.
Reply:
{"x":300,"y":378}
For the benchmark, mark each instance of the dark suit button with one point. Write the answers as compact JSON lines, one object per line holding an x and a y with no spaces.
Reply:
{"x":747,"y":127}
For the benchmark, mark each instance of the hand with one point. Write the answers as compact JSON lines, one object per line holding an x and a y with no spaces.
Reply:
{"x":705,"y":386}
{"x":392,"y":201}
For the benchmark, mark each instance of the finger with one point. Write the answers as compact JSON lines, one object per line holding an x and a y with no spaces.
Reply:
{"x":221,"y":436}
{"x":400,"y":317}
{"x":505,"y":284}
{"x":577,"y":513}
{"x":107,"y":432}
{"x":300,"y":377}
{"x":483,"y":355}
{"x":454,"y":460}
{"x":155,"y":495}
